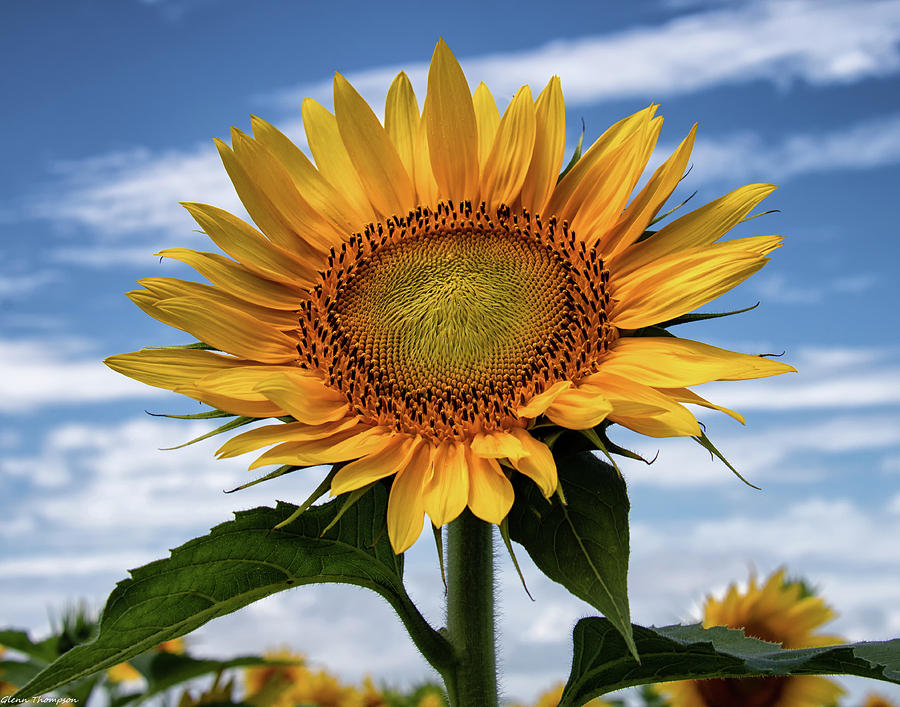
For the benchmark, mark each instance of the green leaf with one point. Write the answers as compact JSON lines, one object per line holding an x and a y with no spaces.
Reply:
{"x":583,"y":545}
{"x":601,"y":663}
{"x":44,"y":651}
{"x":240,"y":562}
{"x":18,"y":672}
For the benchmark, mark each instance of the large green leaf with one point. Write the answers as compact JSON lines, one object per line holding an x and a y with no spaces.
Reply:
{"x":240,"y":562}
{"x":582,"y":545}
{"x":601,"y":662}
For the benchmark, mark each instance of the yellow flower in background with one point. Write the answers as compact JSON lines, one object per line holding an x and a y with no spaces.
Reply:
{"x":426,"y":291}
{"x":552,"y":697}
{"x":875,"y":700}
{"x":125,"y":672}
{"x":780,"y":611}
{"x":297,"y":684}
{"x":270,"y":684}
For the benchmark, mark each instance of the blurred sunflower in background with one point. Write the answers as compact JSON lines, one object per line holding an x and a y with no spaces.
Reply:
{"x":780,"y":611}
{"x":432,"y":287}
{"x":126,"y":672}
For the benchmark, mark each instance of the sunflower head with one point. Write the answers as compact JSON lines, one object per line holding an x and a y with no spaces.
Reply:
{"x":426,"y":298}
{"x":780,"y":611}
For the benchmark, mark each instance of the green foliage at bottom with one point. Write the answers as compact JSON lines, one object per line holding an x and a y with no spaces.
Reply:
{"x":601,"y":662}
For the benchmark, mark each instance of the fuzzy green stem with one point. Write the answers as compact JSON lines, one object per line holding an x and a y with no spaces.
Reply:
{"x":470,"y":611}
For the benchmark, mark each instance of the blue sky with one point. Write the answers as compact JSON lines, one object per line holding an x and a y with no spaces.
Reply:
{"x":109,"y":119}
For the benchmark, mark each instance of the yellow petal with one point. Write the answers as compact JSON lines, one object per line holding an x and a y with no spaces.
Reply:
{"x":488,"y":119}
{"x":490,"y":492}
{"x":232,"y":390}
{"x":497,"y":445}
{"x":246,"y":245}
{"x":700,"y":227}
{"x":642,"y":408}
{"x":304,"y":396}
{"x":281,"y":432}
{"x":323,"y":197}
{"x":539,"y":403}
{"x":401,"y":120}
{"x":578,"y":409}
{"x":598,"y":203}
{"x":163,"y":288}
{"x":642,"y":209}
{"x":549,"y":147}
{"x":272,"y":200}
{"x":238,"y":280}
{"x":170,"y":368}
{"x":447,"y":490}
{"x":327,"y":147}
{"x":537,"y":464}
{"x":599,"y":152}
{"x":670,"y":362}
{"x":683,"y":395}
{"x":426,"y":185}
{"x":681,"y":282}
{"x":406,"y":506}
{"x":350,"y":444}
{"x":228,"y":329}
{"x":379,"y":166}
{"x":377,"y":465}
{"x":451,"y":128}
{"x":510,"y":156}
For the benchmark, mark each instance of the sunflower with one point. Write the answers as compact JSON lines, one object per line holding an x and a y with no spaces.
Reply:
{"x":416,"y":301}
{"x":781,"y":611}
{"x":126,"y":672}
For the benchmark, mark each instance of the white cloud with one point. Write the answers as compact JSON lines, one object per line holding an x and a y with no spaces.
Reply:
{"x":865,"y":145}
{"x":824,"y":42}
{"x":46,"y":372}
{"x":12,"y":286}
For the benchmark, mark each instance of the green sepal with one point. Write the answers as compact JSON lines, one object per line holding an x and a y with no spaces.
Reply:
{"x":347,"y":502}
{"x":659,"y":218}
{"x":208,"y":415}
{"x":764,"y":213}
{"x":236,"y":564}
{"x":600,"y":663}
{"x":504,"y":533}
{"x":583,"y":545}
{"x":280,"y":471}
{"x":707,"y":444}
{"x":439,"y":546}
{"x":703,"y":316}
{"x":317,"y":493}
{"x":196,"y":345}
{"x":227,"y":427}
{"x":576,"y":155}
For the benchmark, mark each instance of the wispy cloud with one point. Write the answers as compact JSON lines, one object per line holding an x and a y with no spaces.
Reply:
{"x":781,"y":41}
{"x":746,"y":156}
{"x":40,"y":373}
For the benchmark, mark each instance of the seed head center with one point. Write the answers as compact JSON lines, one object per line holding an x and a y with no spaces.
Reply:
{"x":442,"y":322}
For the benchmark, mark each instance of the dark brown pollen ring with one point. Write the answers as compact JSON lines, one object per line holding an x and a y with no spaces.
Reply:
{"x":441,"y":322}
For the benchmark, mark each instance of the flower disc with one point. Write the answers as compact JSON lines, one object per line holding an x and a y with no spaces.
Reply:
{"x":442,"y":323}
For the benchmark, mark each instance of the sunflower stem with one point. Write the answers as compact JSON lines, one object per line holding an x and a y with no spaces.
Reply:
{"x":470,"y":611}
